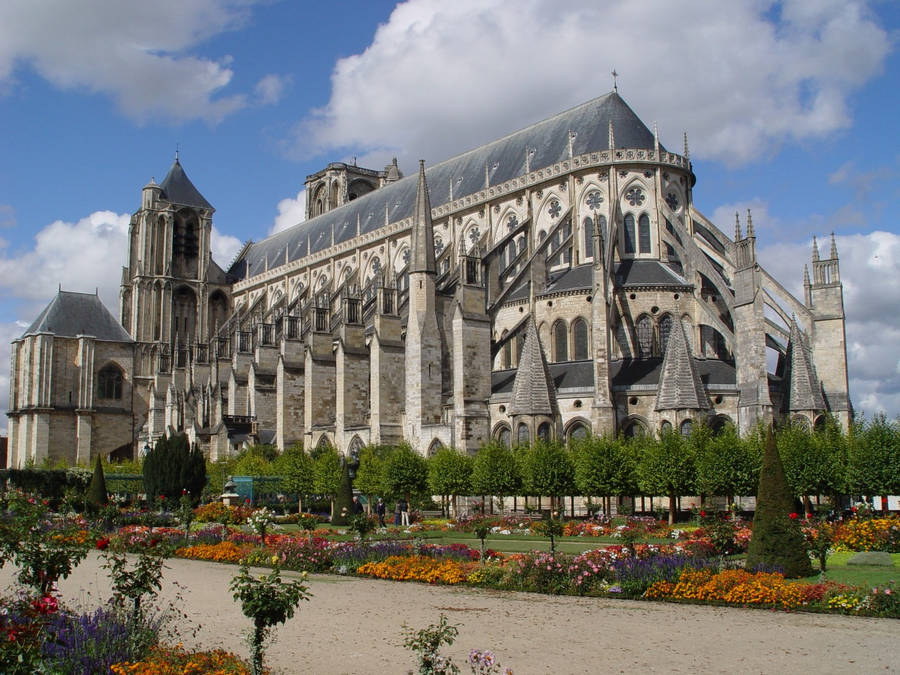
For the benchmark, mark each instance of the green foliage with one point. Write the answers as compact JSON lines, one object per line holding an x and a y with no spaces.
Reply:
{"x":326,"y":471}
{"x":268,"y":601}
{"x":450,"y":472}
{"x":343,"y":500}
{"x":370,"y":474}
{"x":811,"y":466}
{"x":50,"y":483}
{"x":777,"y":541}
{"x":874,"y":457}
{"x":96,"y":494}
{"x":173,"y":466}
{"x":295,"y":467}
{"x":134,"y":582}
{"x":362,"y":525}
{"x":666,"y":467}
{"x":495,"y":471}
{"x":604,"y":466}
{"x":427,"y":643}
{"x":406,"y":474}
{"x":546,"y":470}
{"x":728,"y":465}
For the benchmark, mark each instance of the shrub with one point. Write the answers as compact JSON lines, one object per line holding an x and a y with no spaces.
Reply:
{"x":96,"y":494}
{"x":173,"y":466}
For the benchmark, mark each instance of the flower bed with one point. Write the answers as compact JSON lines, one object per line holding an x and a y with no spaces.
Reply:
{"x":869,"y":534}
{"x":417,"y":568}
{"x":177,"y":661}
{"x":224,"y":551}
{"x":738,"y":587}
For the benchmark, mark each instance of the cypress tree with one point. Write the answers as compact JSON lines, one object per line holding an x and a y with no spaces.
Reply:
{"x":96,"y":496}
{"x":343,"y":500}
{"x":777,"y":540}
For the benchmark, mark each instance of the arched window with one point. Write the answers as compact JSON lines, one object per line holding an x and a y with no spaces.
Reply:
{"x":504,"y":436}
{"x":622,"y":341}
{"x":109,"y":383}
{"x":644,"y":328}
{"x":719,"y":424}
{"x":506,"y":361}
{"x":578,"y":431}
{"x":665,"y":329}
{"x":633,"y":429}
{"x":628,"y":235}
{"x":665,"y":427}
{"x":644,"y":234}
{"x":560,"y":339}
{"x":686,"y":427}
{"x":522,"y":436}
{"x":588,"y":226}
{"x":543,"y":431}
{"x":580,"y":340}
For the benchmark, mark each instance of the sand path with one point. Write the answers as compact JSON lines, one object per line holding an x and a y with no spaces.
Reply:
{"x":353,"y":626}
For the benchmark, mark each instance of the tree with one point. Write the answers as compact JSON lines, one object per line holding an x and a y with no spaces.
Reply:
{"x":547,"y":470}
{"x":370,"y":474}
{"x":96,"y":495}
{"x":295,"y":467}
{"x":874,"y":458}
{"x":494,"y":471}
{"x":406,"y":474}
{"x":811,"y":468}
{"x":777,"y":541}
{"x":173,"y":466}
{"x":604,"y":467}
{"x":327,"y":473}
{"x":666,"y":467}
{"x":728,"y":465}
{"x":450,"y":474}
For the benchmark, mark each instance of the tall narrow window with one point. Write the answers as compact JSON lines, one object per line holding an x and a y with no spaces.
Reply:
{"x":644,"y":327}
{"x":601,"y":228}
{"x":580,"y":340}
{"x":560,"y":338}
{"x":588,"y":226}
{"x":665,"y":329}
{"x":644,"y":234}
{"x":628,"y":235}
{"x":109,"y":383}
{"x":522,"y":436}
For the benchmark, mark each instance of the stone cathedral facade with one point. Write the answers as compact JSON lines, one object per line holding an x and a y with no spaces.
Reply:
{"x":550,"y":284}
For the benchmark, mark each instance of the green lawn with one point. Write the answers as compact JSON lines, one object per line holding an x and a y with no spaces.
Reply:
{"x":859,"y":575}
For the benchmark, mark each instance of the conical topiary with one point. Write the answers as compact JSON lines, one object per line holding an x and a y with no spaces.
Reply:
{"x":96,"y":495}
{"x":343,"y":500}
{"x":777,"y":541}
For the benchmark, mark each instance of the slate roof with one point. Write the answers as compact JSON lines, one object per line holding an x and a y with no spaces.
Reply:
{"x":178,"y":189}
{"x":533,"y":391}
{"x":646,"y":273}
{"x":71,"y":314}
{"x":680,"y":387}
{"x":505,"y":159}
{"x":803,"y":390}
{"x":565,"y":376}
{"x":646,"y":372}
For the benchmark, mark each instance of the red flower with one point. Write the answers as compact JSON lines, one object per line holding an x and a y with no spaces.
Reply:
{"x":103,"y":543}
{"x":703,"y":514}
{"x":793,"y":516}
{"x":183,"y":491}
{"x":854,"y":509}
{"x":247,"y":501}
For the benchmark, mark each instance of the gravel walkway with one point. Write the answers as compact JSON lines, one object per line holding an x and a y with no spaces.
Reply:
{"x":353,"y":626}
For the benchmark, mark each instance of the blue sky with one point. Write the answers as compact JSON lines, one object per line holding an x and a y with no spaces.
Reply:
{"x":790,"y":108}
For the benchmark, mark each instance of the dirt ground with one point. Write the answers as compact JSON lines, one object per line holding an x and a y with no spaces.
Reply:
{"x":354,"y":626}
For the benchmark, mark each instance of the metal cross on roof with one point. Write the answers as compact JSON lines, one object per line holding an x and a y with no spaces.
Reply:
{"x":615,"y":80}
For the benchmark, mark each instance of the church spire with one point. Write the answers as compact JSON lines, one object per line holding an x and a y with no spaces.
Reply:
{"x":737,"y":226}
{"x":815,"y":252}
{"x":423,"y":229}
{"x":750,"y":232}
{"x":803,"y":391}
{"x":834,"y":254}
{"x":680,"y":387}
{"x":533,"y":390}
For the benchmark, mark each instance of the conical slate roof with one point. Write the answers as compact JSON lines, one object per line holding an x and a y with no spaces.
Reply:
{"x":73,"y":314}
{"x":543,"y":143}
{"x":533,"y":390}
{"x":680,"y":387}
{"x":422,"y":259}
{"x":803,"y":390}
{"x":178,"y":189}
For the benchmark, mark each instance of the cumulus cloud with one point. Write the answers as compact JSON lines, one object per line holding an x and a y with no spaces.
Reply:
{"x":741,"y":77}
{"x":270,"y":89}
{"x":870,"y":264}
{"x":290,"y":212}
{"x":136,"y":52}
{"x":224,"y":247}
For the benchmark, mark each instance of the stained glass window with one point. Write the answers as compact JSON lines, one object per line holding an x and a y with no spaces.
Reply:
{"x":644,"y":234}
{"x":560,"y":336}
{"x":628,"y":235}
{"x":665,"y":328}
{"x":580,"y":339}
{"x":645,"y":336}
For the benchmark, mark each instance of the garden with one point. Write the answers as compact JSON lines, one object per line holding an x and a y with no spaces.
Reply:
{"x":788,"y":557}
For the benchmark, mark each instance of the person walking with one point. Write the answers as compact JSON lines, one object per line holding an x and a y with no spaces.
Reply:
{"x":380,"y":510}
{"x":404,"y":512}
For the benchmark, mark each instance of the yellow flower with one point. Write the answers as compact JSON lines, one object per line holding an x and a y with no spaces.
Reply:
{"x":274,"y":559}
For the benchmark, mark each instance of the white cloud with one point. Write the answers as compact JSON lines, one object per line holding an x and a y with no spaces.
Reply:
{"x":135,"y":52}
{"x":870,"y":266}
{"x":223,"y":247}
{"x":290,"y":212}
{"x":270,"y":88}
{"x":741,"y":77}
